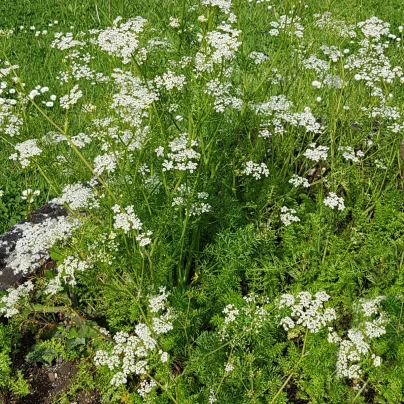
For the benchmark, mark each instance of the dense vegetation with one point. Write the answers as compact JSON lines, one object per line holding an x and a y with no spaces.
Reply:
{"x":234,"y":173}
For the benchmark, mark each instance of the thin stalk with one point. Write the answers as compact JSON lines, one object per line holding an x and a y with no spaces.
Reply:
{"x":74,"y":147}
{"x":217,"y":349}
{"x":360,"y":392}
{"x":224,"y":376}
{"x":163,"y":388}
{"x":293,"y":370}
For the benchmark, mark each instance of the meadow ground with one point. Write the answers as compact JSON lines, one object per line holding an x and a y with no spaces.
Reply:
{"x":234,"y":173}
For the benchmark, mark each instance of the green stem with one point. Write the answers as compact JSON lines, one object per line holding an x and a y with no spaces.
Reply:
{"x":360,"y":392}
{"x":293,"y":370}
{"x":163,"y":388}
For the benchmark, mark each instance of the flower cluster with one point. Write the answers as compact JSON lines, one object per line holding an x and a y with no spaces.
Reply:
{"x":297,"y":181}
{"x":288,"y":216}
{"x":198,"y":208}
{"x":306,"y":311}
{"x":170,"y":81}
{"x":134,"y":98}
{"x":337,"y":27}
{"x":349,"y":153}
{"x":222,"y":98}
{"x":355,"y":348}
{"x":105,"y":162}
{"x":144,"y":238}
{"x":126,"y":219}
{"x":193,"y":206}
{"x":70,"y":99}
{"x":288,"y":24}
{"x":9,"y":302}
{"x":320,"y":66}
{"x":122,"y":39}
{"x":222,"y":45}
{"x":146,"y":387}
{"x":25,"y":151}
{"x":374,"y":28}
{"x":32,"y":248}
{"x":80,"y":69}
{"x":332,"y":52}
{"x":10,"y":121}
{"x":258,"y":57}
{"x":66,"y":270}
{"x":66,"y":41}
{"x":334,"y":201}
{"x":182,"y":154}
{"x":241,"y":321}
{"x":77,"y":196}
{"x":29,"y":194}
{"x":316,"y":153}
{"x":256,"y":170}
{"x":223,"y":5}
{"x":129,"y":353}
{"x":278,"y":109}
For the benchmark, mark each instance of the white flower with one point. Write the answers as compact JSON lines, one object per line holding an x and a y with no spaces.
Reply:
{"x":316,"y":153}
{"x":287,"y":300}
{"x":287,"y":216}
{"x":77,"y":196}
{"x":66,"y":41}
{"x":371,"y":307}
{"x":357,"y":345}
{"x":14,"y":295}
{"x":334,"y":201}
{"x":146,"y":387}
{"x":122,"y":39}
{"x":105,"y":162}
{"x":126,"y":220}
{"x":159,"y":151}
{"x":129,"y":353}
{"x":212,"y":396}
{"x":258,"y":57}
{"x":376,"y":360}
{"x":223,"y":5}
{"x":26,"y":150}
{"x":374,"y":28}
{"x":350,"y":154}
{"x":221,"y":93}
{"x":287,"y":323}
{"x":182,"y":154}
{"x":174,"y":22}
{"x":118,"y":379}
{"x":305,"y":310}
{"x":198,"y":208}
{"x":316,"y":84}
{"x":144,"y":238}
{"x":70,"y":99}
{"x":228,"y":367}
{"x":157,"y":303}
{"x":170,"y":81}
{"x":33,"y":94}
{"x":164,"y":356}
{"x":256,"y":170}
{"x":297,"y":181}
{"x":32,"y":248}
